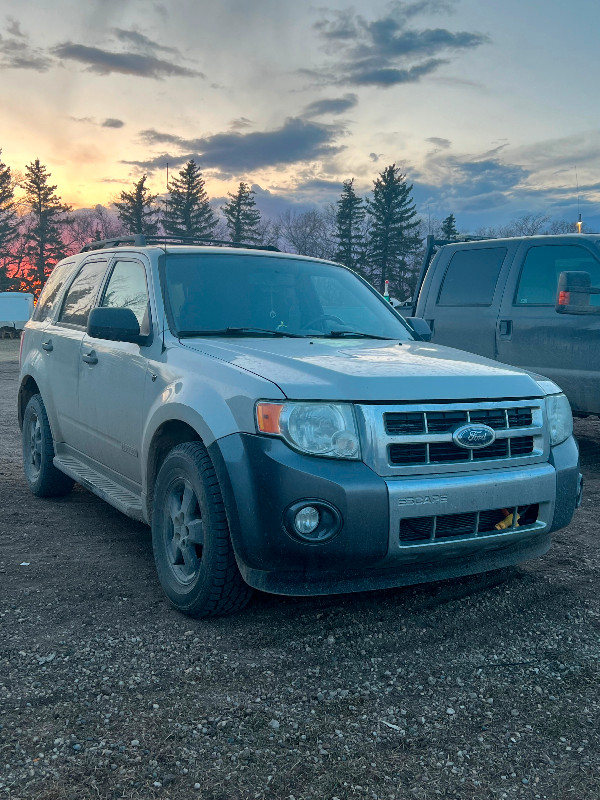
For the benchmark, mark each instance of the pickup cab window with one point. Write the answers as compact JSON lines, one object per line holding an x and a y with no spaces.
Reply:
{"x":538,"y":283}
{"x":471,"y":277}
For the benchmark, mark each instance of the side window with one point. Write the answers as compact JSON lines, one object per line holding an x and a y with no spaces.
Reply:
{"x":127,"y":288}
{"x":47,"y":302}
{"x":538,"y":283}
{"x":471,"y":277}
{"x":80,"y":297}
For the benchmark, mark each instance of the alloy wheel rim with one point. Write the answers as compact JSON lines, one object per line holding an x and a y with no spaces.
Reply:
{"x":34,"y":454}
{"x":184,"y":535}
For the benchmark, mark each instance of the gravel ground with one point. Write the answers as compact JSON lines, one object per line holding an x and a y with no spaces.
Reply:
{"x":477,"y":688}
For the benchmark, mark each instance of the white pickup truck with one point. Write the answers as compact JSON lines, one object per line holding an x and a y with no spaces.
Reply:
{"x":281,"y":427}
{"x":15,"y":309}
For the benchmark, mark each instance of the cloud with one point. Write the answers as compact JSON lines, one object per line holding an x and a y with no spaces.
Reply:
{"x":297,"y":140}
{"x":15,"y":53}
{"x":364,"y":75}
{"x":141,"y":42}
{"x":332,"y":105}
{"x":105,"y":62}
{"x":113,"y":123}
{"x":385,"y":51}
{"x":240,"y":123}
{"x":439,"y":142}
{"x":375,"y":157}
{"x":14,"y":28}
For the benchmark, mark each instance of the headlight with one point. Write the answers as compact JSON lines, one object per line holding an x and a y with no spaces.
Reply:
{"x":320,"y":429}
{"x":560,"y":418}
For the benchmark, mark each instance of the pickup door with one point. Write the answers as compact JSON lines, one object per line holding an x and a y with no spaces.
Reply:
{"x":531,"y":334}
{"x":462,"y":293}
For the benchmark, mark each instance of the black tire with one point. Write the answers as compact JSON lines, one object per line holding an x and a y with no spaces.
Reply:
{"x":43,"y":478}
{"x":190,"y":537}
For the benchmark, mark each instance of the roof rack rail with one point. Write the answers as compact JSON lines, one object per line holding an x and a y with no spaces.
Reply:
{"x":208,"y":240}
{"x":140,"y":240}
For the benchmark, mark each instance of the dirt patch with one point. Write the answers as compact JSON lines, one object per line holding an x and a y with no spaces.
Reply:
{"x":475,"y":688}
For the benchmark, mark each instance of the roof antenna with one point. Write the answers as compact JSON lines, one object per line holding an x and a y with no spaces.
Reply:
{"x":164,"y":325}
{"x":166,"y":208}
{"x":579,"y":222}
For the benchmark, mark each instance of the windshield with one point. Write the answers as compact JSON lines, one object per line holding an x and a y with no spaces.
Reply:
{"x":255,"y":295}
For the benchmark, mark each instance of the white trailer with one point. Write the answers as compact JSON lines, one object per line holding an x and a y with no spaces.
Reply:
{"x":15,"y":309}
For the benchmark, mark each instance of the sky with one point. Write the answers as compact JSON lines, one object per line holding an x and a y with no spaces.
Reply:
{"x":490,"y":108}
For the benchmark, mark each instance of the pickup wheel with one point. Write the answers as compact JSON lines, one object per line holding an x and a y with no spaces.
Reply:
{"x":190,"y":537}
{"x":38,"y":453}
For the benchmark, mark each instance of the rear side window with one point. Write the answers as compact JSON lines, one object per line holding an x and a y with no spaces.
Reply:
{"x":47,"y":302}
{"x":538,"y":283}
{"x":471,"y":277}
{"x":80,"y":298}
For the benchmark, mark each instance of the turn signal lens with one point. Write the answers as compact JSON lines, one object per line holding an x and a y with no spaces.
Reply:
{"x":267,"y":416}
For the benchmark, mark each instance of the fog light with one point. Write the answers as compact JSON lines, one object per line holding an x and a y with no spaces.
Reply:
{"x":307,"y":520}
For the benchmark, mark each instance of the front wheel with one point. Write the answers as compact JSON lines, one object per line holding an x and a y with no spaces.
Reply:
{"x":38,"y":453}
{"x":190,"y":537}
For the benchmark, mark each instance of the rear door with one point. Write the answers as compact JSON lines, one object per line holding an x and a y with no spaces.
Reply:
{"x":465,"y":291}
{"x":62,"y":342}
{"x":531,"y":334}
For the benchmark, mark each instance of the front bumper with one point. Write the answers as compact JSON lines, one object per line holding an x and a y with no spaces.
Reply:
{"x":260,"y":477}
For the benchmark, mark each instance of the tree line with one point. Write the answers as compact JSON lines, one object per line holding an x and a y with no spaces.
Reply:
{"x":379,"y":236}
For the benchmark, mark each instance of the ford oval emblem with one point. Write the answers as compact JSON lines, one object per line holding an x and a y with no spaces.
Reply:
{"x":474,"y":437}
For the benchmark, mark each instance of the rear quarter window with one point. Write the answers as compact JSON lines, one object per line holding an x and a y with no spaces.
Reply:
{"x":471,"y":277}
{"x":47,"y":302}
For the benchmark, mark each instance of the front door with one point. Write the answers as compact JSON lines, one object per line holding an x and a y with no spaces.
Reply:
{"x":531,"y":334}
{"x":112,"y":378}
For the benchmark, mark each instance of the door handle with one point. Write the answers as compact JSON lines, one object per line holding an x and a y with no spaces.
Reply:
{"x":48,"y":345}
{"x":505,"y":328}
{"x":90,"y":358}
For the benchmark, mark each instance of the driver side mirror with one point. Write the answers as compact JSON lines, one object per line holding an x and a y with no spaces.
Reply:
{"x":574,"y":290}
{"x":420,"y":327}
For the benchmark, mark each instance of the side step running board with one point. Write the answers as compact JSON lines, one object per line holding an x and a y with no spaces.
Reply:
{"x":122,"y":499}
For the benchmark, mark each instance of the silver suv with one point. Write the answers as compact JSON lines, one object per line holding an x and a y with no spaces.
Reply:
{"x":281,"y":427}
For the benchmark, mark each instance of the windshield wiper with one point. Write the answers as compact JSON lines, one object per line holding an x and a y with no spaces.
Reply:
{"x":248,"y":331}
{"x":341,"y":334}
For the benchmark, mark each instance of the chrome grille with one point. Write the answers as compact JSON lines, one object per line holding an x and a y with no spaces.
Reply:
{"x":416,"y":438}
{"x":448,"y":452}
{"x":399,"y":423}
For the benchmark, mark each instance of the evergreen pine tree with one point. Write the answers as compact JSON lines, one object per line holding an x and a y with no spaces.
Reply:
{"x":45,"y":244}
{"x":8,"y":222}
{"x":349,"y":218}
{"x":137,"y":210}
{"x":189,"y":212}
{"x":242,"y":216}
{"x":8,"y":213}
{"x":449,"y":227}
{"x":392,"y":236}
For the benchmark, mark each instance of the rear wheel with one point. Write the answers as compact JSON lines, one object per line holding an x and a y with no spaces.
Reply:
{"x":190,"y":537}
{"x":38,"y":453}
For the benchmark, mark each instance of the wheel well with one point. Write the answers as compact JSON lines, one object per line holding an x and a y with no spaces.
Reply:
{"x":28,"y":388}
{"x":166,"y":437}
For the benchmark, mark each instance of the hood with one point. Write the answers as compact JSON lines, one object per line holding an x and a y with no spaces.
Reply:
{"x":369,"y":370}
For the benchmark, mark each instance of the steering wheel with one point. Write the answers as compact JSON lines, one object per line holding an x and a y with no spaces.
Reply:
{"x":319,"y":318}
